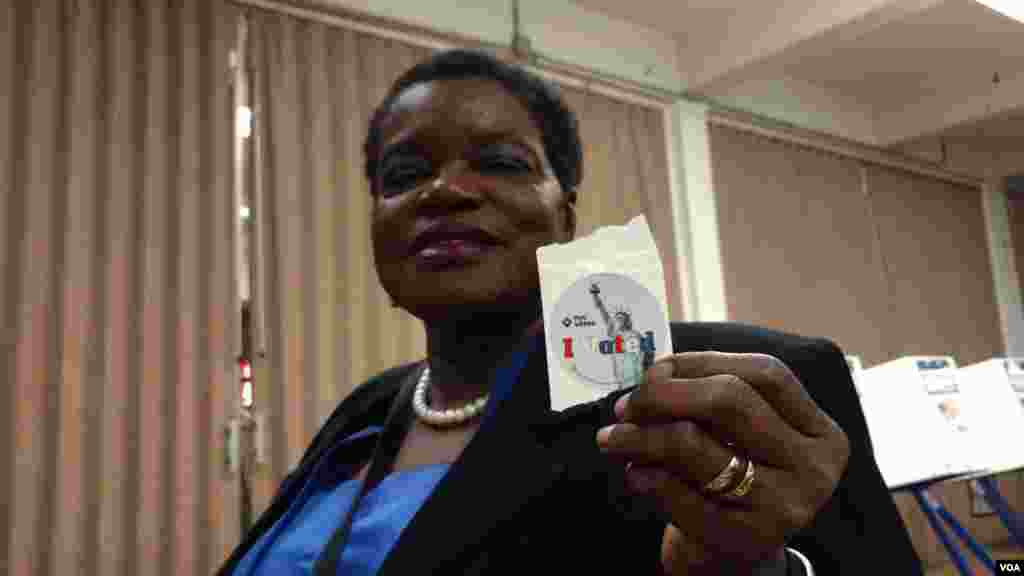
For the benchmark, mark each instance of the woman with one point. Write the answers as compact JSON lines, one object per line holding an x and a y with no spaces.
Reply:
{"x":716,"y":464}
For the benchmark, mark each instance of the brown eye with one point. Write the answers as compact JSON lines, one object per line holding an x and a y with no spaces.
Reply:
{"x":401,"y":176}
{"x":502,"y":164}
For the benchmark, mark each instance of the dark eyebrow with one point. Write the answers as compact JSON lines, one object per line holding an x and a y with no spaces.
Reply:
{"x":490,"y":140}
{"x":404,"y":147}
{"x":481,"y":139}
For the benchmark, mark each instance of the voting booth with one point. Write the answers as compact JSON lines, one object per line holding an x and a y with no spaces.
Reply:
{"x":931,"y":421}
{"x":856,"y":367}
{"x":917,"y":419}
{"x":996,"y":388}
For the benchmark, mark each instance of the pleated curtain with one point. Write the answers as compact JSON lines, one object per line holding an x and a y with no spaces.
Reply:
{"x":884,"y":262}
{"x":117,"y":302}
{"x":327,"y":323}
{"x":626,"y":174}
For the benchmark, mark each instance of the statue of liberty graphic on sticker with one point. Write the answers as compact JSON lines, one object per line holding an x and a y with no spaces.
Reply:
{"x":630,"y":360}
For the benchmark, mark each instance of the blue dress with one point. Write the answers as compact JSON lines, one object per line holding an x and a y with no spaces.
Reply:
{"x":293,"y":544}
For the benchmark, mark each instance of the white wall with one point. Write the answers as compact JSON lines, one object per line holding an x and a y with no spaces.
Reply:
{"x":557,"y":29}
{"x":563,"y":31}
{"x":484,"y":20}
{"x":801,"y":104}
{"x":1004,"y":266}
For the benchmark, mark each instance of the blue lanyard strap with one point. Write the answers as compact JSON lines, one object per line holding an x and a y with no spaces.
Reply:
{"x":506,"y":376}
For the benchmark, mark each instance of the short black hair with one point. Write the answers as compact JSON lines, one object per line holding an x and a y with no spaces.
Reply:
{"x":557,"y":123}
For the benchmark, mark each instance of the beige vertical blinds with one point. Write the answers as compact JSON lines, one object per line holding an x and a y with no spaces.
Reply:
{"x":625,"y":174}
{"x":115,"y":304}
{"x":942,"y":301}
{"x":798,"y":251}
{"x":884,"y":262}
{"x":939,"y":276}
{"x":329,"y":323}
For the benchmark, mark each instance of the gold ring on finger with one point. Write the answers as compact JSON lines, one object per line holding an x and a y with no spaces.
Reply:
{"x":725,"y":478}
{"x":743,"y":488}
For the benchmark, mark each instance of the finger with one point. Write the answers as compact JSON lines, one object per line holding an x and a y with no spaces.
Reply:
{"x":720,"y":531}
{"x":726,"y":407}
{"x":781,"y":500}
{"x":680,"y":447}
{"x":679,"y":552}
{"x":768,"y":375}
{"x":774,"y":493}
{"x":656,"y":481}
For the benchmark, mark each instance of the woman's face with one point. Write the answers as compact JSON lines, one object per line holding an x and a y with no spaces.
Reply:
{"x":463,"y":152}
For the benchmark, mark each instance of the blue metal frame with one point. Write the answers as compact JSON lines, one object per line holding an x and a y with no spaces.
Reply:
{"x":935,"y":511}
{"x":929,"y":505}
{"x":1014,"y":522}
{"x":936,"y":514}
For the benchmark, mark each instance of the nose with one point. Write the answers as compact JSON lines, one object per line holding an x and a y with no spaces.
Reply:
{"x":451,"y":190}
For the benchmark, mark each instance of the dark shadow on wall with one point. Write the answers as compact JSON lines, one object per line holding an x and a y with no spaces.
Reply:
{"x":1015,"y":187}
{"x":1015,"y":201}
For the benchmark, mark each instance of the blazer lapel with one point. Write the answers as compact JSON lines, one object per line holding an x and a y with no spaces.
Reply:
{"x":365,"y":406}
{"x":469,"y":501}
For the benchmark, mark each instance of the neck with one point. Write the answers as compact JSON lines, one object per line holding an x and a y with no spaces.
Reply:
{"x":465,"y":351}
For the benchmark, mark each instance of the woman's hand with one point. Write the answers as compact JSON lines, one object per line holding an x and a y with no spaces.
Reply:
{"x":681,"y":428}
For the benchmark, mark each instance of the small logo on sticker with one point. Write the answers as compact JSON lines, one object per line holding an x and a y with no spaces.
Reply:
{"x":611,"y":331}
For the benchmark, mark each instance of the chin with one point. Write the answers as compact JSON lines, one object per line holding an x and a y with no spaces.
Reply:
{"x":468,"y":304}
{"x":493,"y":285}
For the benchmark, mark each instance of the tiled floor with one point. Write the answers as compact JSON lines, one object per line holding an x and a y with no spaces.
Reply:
{"x":996,"y":552}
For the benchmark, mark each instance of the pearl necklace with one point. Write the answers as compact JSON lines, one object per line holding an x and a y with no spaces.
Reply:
{"x":443,"y":418}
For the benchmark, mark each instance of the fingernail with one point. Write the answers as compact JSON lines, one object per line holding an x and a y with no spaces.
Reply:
{"x":603,"y":434}
{"x":642,"y":479}
{"x":664,"y":371}
{"x":620,"y":406}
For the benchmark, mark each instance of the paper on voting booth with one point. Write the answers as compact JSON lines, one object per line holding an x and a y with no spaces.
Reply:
{"x":856,"y":366}
{"x":919,"y":424}
{"x":993,"y":392}
{"x":605,"y":312}
{"x":928,"y":420}
{"x":1015,"y":374}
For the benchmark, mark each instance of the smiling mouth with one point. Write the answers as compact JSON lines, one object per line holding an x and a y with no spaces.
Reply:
{"x":452,"y":252}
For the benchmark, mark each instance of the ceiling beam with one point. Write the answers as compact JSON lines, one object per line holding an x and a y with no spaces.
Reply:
{"x":554,"y":31}
{"x":769,"y":35}
{"x":801,"y":104}
{"x":947,"y":110}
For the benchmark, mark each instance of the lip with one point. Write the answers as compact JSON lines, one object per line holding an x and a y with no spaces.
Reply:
{"x":453,"y":237}
{"x":451,"y":253}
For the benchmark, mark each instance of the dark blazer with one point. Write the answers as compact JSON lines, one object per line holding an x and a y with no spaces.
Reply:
{"x":532,"y":494}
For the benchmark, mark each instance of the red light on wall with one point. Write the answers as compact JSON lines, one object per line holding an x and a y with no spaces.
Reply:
{"x":245,"y":369}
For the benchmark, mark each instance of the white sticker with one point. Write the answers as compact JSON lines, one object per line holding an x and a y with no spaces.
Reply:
{"x":605,"y":312}
{"x":607,"y":330}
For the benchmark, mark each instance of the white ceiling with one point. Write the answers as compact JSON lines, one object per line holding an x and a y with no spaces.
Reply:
{"x":675,"y":18}
{"x":1005,"y":127}
{"x":912,"y":67}
{"x":953,"y":47}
